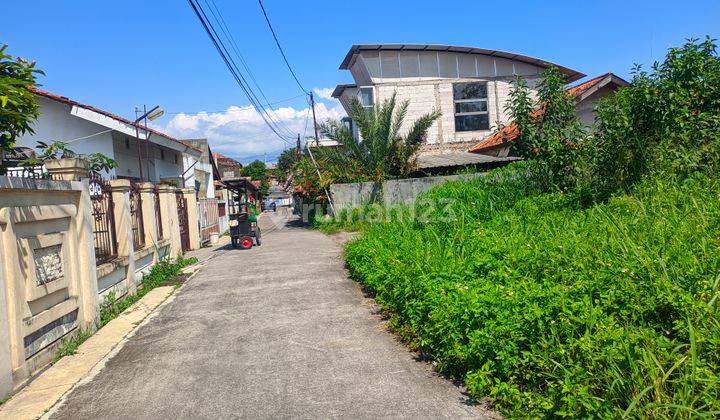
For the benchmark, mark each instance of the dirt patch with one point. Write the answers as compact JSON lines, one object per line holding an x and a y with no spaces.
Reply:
{"x":176,"y":281}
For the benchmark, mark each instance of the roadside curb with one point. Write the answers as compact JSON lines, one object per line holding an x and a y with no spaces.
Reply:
{"x":47,"y":392}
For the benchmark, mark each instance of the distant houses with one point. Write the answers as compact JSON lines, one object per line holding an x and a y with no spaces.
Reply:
{"x":228,"y":167}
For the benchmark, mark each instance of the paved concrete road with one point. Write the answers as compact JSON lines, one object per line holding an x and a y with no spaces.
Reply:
{"x":276,"y":331}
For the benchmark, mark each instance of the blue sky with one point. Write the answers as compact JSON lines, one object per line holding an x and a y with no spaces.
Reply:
{"x":119,"y":54}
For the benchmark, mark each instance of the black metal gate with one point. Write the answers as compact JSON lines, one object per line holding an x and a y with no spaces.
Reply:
{"x":183,"y":221}
{"x":103,"y":220}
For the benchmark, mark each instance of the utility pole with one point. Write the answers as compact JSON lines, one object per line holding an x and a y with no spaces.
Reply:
{"x":137,"y":148}
{"x":147,"y":143}
{"x":152,"y":114}
{"x":297,"y":148}
{"x":312,"y":104}
{"x":317,"y":142}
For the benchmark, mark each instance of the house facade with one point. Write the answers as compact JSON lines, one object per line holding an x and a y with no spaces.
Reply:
{"x":91,"y":130}
{"x":202,"y":168}
{"x":469,"y":86}
{"x":229,"y":168}
{"x":586,"y":96}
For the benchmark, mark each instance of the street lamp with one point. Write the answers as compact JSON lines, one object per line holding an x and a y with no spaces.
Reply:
{"x":151,"y":115}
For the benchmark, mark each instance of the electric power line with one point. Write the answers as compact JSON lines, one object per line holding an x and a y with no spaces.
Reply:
{"x":232,"y":67}
{"x":228,"y":35}
{"x":280,"y":48}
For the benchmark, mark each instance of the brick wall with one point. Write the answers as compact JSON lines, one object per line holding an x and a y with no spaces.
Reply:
{"x":437,"y":94}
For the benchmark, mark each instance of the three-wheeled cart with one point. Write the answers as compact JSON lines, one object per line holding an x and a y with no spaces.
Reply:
{"x":243,"y":232}
{"x":244,"y":229}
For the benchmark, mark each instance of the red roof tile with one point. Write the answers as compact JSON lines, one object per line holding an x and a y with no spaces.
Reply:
{"x":511,"y":131}
{"x":68,"y":101}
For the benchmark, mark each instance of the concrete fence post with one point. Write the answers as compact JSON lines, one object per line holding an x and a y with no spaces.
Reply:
{"x":147,"y":197}
{"x":68,"y":169}
{"x":193,"y":220}
{"x":6,"y":365}
{"x":169,"y":216}
{"x":120,"y":189}
{"x":87,"y":279}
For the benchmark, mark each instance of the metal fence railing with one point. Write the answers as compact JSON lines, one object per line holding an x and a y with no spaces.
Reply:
{"x":136,"y":218}
{"x":183,"y":224}
{"x":103,"y":220}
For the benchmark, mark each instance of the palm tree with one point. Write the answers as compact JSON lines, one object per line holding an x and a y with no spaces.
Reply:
{"x":381,"y":151}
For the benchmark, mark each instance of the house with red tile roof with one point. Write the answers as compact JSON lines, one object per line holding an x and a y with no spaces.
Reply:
{"x":88,"y":129}
{"x":228,"y":167}
{"x":586,"y":96}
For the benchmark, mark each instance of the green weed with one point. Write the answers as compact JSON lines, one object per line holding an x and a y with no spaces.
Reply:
{"x":558,"y":310}
{"x":70,"y":345}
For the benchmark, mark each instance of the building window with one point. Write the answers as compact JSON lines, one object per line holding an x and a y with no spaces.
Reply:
{"x":162,"y":154}
{"x":471,"y":106}
{"x":366,"y":97}
{"x":127,"y":143}
{"x":176,"y":158}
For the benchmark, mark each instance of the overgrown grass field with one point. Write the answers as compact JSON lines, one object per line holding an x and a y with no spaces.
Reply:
{"x":556,"y":310}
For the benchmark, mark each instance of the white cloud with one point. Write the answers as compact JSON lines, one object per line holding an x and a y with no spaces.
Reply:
{"x":325,"y":93}
{"x":240,"y":131}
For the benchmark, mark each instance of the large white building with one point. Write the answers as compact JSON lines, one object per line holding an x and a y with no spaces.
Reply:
{"x":469,"y":86}
{"x":92,"y":130}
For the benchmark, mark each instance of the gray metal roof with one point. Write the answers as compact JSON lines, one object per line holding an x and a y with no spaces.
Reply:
{"x":458,"y":159}
{"x":340,"y":88}
{"x":572,"y":75}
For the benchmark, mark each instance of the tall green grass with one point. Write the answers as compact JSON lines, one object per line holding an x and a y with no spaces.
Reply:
{"x":556,"y":310}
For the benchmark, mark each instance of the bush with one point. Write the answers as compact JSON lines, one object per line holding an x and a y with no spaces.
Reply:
{"x":550,"y":133}
{"x":667,"y":121}
{"x":555,"y":310}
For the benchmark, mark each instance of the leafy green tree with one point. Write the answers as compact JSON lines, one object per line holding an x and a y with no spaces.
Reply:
{"x":18,"y":106}
{"x":287,"y":159}
{"x":550,"y":133}
{"x":667,"y":120}
{"x":257,"y":171}
{"x":383,"y":151}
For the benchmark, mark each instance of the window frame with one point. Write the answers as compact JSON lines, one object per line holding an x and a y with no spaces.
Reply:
{"x":472,"y":100}
{"x":359,"y":96}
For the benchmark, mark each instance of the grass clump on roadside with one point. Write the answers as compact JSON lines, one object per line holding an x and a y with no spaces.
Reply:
{"x":161,"y":273}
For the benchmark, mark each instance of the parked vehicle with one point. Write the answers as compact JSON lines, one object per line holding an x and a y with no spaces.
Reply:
{"x":269,"y":204}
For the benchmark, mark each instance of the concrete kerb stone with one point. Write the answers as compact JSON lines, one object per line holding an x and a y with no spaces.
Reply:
{"x":46,"y":393}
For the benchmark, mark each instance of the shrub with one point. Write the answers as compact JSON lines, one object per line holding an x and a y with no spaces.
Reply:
{"x":555,"y":310}
{"x":667,"y":121}
{"x":550,"y":133}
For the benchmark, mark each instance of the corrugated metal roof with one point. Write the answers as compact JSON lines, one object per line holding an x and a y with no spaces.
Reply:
{"x":572,"y":75}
